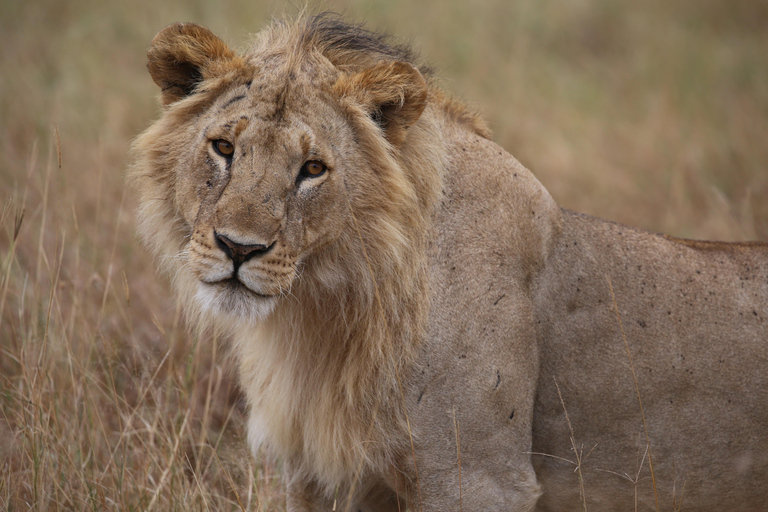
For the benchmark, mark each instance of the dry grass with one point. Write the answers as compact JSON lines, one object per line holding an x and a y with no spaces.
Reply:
{"x":652,"y":113}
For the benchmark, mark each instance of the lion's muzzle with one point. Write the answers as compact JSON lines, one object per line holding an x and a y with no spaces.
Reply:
{"x":240,"y":253}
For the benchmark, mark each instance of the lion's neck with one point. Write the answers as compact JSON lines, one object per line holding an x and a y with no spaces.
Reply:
{"x":322,"y":374}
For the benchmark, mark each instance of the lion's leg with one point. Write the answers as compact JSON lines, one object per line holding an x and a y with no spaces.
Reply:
{"x":502,"y":486}
{"x":471,"y":414}
{"x":468,"y":457}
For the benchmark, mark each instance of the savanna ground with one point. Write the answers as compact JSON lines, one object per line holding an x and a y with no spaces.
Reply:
{"x":651,"y":113}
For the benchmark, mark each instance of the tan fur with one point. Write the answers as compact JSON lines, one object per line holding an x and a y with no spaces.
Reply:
{"x":426,"y":284}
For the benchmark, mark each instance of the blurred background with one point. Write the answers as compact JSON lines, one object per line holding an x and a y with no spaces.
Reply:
{"x":651,"y":113}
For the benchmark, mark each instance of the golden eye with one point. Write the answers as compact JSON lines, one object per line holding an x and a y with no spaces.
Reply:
{"x":313,"y":169}
{"x":224,"y":148}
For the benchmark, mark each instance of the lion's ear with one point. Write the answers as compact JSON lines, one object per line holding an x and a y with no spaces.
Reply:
{"x":182,"y":55}
{"x":394,"y":94}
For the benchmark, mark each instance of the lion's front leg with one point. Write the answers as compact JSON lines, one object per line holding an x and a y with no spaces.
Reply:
{"x":483,"y":471}
{"x":471,"y":403}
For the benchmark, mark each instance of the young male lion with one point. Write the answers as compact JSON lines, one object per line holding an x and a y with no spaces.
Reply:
{"x":397,"y":286}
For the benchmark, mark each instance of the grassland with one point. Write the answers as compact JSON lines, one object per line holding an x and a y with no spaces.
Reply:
{"x":651,"y":113}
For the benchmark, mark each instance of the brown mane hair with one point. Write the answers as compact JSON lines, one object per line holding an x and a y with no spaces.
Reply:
{"x":348,"y":46}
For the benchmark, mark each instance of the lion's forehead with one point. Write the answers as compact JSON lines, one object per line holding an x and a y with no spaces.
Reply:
{"x":270,"y":105}
{"x":279,"y":108}
{"x":280,"y":84}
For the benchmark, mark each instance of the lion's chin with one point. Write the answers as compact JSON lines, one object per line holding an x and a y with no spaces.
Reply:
{"x":234,"y":300}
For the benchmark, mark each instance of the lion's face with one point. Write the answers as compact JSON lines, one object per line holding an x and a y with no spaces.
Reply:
{"x":259,"y":160}
{"x":261,"y":188}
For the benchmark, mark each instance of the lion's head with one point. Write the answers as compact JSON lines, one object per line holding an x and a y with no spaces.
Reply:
{"x":279,"y":162}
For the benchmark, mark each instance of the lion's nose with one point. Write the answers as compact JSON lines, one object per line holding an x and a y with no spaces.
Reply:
{"x":240,"y":253}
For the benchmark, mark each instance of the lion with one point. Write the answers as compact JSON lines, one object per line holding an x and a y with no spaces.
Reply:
{"x":415,"y":321}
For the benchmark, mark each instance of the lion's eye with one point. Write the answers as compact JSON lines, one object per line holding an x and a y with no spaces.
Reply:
{"x":224,"y":148}
{"x":312,"y":169}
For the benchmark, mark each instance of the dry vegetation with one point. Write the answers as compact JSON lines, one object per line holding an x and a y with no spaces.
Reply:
{"x":651,"y":113}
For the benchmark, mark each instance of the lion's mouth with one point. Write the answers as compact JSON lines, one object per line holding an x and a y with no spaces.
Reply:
{"x":234,"y":299}
{"x":234,"y":285}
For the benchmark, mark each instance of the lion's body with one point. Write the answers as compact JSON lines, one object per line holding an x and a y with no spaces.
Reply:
{"x":424,"y":286}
